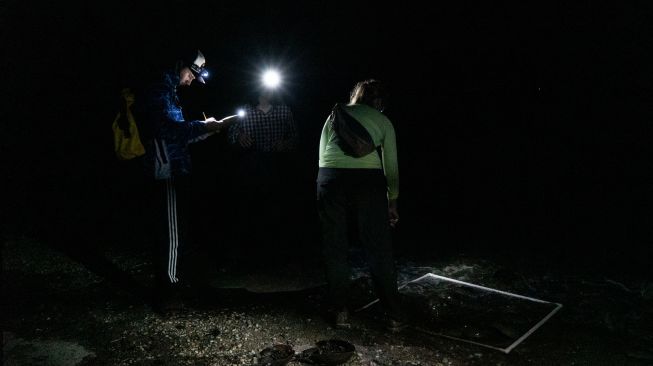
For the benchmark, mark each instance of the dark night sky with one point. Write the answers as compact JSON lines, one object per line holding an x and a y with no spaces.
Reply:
{"x":516,"y":123}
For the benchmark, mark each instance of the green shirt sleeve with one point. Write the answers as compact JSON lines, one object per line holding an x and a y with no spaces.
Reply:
{"x":390,"y":164}
{"x":324,"y":138}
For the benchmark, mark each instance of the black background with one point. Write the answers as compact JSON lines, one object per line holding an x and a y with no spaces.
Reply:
{"x":522,"y":128}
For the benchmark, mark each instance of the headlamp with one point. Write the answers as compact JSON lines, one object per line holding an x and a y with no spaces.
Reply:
{"x":271,"y":79}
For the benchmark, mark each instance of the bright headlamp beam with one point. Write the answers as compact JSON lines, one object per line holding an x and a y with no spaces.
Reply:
{"x":271,"y":79}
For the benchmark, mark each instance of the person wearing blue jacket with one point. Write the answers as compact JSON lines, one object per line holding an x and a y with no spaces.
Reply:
{"x":166,"y":136}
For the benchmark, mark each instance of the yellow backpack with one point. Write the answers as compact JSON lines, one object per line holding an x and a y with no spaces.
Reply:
{"x":126,"y":141}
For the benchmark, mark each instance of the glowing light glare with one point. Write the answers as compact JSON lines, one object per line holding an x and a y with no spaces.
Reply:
{"x":205,"y":74}
{"x":241,"y":113}
{"x":271,"y":79}
{"x":228,"y":117}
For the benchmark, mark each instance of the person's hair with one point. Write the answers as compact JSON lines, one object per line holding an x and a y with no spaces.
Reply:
{"x":367,"y":91}
{"x":185,"y":59}
{"x":179,"y":65}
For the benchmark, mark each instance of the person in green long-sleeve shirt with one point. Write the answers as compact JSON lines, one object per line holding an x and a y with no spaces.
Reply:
{"x":365,"y":188}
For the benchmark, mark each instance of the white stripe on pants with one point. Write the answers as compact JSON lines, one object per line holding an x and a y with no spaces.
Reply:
{"x":173,"y":238}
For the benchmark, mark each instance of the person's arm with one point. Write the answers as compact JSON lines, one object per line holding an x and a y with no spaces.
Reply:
{"x":164,"y":110}
{"x":234,"y":132}
{"x":391,"y":170}
{"x":238,"y":136}
{"x":390,"y":164}
{"x":324,"y":139}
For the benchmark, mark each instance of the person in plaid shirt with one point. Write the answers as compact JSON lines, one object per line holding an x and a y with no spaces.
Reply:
{"x":266,"y":127}
{"x":266,"y":139}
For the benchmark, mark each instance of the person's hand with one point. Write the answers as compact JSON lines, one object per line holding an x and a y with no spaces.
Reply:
{"x":393,"y":213}
{"x":245,"y":140}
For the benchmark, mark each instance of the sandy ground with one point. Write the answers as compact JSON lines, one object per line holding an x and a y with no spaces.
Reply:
{"x":57,"y":312}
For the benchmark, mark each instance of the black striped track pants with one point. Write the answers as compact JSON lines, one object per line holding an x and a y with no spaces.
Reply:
{"x":172,"y":201}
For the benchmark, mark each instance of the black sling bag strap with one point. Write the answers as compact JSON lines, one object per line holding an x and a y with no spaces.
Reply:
{"x":352,"y":138}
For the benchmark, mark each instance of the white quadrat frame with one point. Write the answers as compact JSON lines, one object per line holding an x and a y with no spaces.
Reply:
{"x":504,"y":350}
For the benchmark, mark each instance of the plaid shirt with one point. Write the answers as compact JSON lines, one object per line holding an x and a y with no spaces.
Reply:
{"x":271,"y":131}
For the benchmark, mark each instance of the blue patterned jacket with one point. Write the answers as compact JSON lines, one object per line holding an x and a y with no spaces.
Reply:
{"x":165,"y":133}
